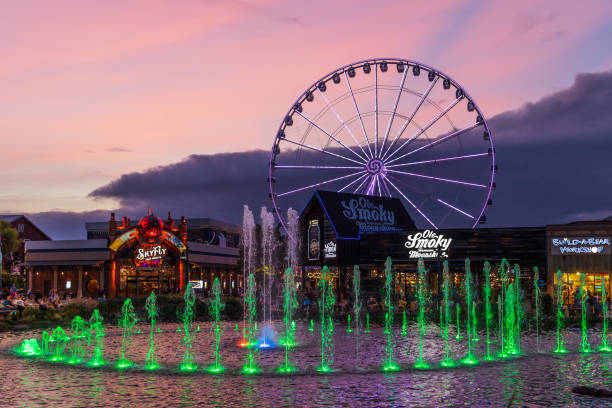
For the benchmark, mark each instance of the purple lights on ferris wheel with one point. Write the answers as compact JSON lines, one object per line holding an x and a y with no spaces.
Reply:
{"x":321,"y":124}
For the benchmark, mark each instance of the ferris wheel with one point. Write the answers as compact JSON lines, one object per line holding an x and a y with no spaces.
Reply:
{"x":387,"y":127}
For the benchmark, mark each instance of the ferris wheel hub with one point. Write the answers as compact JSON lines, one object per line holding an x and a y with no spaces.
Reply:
{"x":376,"y":167}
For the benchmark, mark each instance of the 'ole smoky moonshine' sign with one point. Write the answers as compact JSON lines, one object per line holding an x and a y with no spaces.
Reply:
{"x":352,"y":214}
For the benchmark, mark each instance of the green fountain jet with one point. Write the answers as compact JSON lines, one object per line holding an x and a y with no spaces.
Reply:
{"x":188,"y":364}
{"x":127,"y":322}
{"x":470,"y":359}
{"x":422,"y":298}
{"x":250,"y":302}
{"x":289,"y":305}
{"x":560,"y":315}
{"x":151,"y":308}
{"x":96,"y":325}
{"x":446,"y":317}
{"x":326,"y":307}
{"x":389,"y":363}
{"x":215,"y":307}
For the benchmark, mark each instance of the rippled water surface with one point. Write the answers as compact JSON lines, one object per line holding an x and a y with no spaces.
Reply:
{"x":534,"y":379}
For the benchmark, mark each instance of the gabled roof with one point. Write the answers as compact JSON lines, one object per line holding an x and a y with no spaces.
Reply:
{"x":352,"y":214}
{"x":14,"y":217}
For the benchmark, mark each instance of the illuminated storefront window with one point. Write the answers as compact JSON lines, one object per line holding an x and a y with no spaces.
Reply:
{"x":593,"y":285}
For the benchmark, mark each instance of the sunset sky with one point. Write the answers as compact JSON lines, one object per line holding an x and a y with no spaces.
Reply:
{"x":90,"y":91}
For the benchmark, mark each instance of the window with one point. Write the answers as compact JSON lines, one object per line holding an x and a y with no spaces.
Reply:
{"x":20,"y":227}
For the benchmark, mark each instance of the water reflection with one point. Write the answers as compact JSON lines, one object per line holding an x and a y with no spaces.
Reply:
{"x":534,"y":380}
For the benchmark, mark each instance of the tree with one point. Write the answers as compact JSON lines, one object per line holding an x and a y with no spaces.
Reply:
{"x":10,"y":243}
{"x":10,"y":239}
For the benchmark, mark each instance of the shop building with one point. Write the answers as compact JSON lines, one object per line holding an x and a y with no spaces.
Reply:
{"x":128,"y":258}
{"x":342,"y":230}
{"x":580,"y":248}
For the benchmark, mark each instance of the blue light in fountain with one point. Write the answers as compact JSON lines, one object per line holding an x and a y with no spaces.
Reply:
{"x":267,"y":338}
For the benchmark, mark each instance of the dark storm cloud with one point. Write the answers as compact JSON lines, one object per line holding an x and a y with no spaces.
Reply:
{"x":553,"y":156}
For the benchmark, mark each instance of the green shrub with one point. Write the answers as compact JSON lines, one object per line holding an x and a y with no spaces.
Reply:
{"x":547,"y":304}
{"x":75,"y":308}
{"x":233,"y":309}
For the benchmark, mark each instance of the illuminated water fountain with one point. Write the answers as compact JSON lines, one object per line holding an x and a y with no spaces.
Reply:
{"x":389,"y":364}
{"x":215,"y":307}
{"x":326,"y":307}
{"x":188,"y":337}
{"x":289,"y":305}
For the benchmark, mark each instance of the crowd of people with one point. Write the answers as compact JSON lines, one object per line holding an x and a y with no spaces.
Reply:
{"x":14,"y":301}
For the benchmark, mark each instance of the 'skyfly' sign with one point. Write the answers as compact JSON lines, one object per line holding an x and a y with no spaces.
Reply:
{"x":428,"y":244}
{"x":150,"y":254}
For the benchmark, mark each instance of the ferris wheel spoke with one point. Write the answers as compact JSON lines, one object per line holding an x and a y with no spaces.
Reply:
{"x":343,"y":123}
{"x":455,"y":208}
{"x":371,"y":185}
{"x":378,"y":184}
{"x":316,"y":149}
{"x":465,"y":183}
{"x":437,"y":141}
{"x":412,"y":204}
{"x":353,"y":182}
{"x":376,"y":109}
{"x":320,"y":184}
{"x":331,"y":136}
{"x":424,"y":129}
{"x":435,"y":161}
{"x":397,"y":99}
{"x":312,"y":167}
{"x":365,"y":134}
{"x":439,"y":200}
{"x":361,"y":185}
{"x":414,"y":112}
{"x":386,"y":187}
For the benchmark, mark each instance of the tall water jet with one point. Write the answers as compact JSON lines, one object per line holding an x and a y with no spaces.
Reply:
{"x":326,"y":307}
{"x":367,"y":328}
{"x":501,"y":303}
{"x":251,"y":328}
{"x":59,"y":338}
{"x":151,"y":308}
{"x":214,"y":308}
{"x":289,"y":305}
{"x":293,"y":242}
{"x":488,"y":311}
{"x":605,"y":345}
{"x":79,"y":333}
{"x":468,"y":284}
{"x":560,"y":315}
{"x":458,"y":336}
{"x":422,"y":298}
{"x":268,"y":245}
{"x":510,"y":320}
{"x":247,"y":240}
{"x":447,"y":316}
{"x":127,"y":322}
{"x":389,"y":363}
{"x":538,"y":306}
{"x":357,"y":303}
{"x":349,"y":328}
{"x":44,"y":344}
{"x":585,"y":347}
{"x":187,"y":363}
{"x":96,"y":324}
{"x":518,"y":309}
{"x":474,"y":322}
{"x":404,"y":331}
